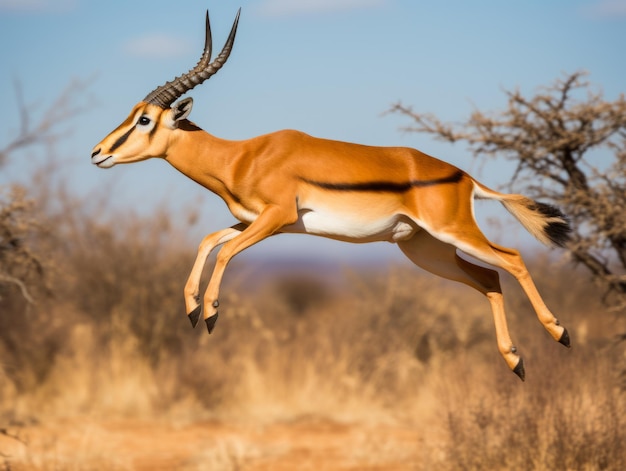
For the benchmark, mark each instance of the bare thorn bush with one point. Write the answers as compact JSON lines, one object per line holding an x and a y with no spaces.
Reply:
{"x":568,"y":144}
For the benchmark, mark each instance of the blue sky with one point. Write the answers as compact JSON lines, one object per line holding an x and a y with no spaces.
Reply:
{"x":327,"y":67}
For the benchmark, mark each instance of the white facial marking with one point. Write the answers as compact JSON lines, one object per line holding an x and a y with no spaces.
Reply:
{"x":103,"y":160}
{"x":145,"y":123}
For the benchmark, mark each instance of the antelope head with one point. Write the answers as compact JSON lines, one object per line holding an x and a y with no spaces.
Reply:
{"x":156,"y":120}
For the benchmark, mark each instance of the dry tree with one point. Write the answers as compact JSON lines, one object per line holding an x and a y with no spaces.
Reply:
{"x":21,"y":265}
{"x":568,"y":144}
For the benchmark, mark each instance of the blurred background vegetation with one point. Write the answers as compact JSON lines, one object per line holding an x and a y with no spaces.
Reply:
{"x":92,"y":321}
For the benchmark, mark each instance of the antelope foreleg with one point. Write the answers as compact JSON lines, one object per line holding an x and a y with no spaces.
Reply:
{"x":192,"y":287}
{"x":270,"y":221}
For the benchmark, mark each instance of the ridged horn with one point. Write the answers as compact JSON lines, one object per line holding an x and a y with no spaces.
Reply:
{"x":169,"y":92}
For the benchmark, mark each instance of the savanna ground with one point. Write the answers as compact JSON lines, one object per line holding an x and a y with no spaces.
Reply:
{"x":368,"y":368}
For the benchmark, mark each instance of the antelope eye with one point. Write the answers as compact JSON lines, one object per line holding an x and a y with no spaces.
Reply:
{"x":144,"y":120}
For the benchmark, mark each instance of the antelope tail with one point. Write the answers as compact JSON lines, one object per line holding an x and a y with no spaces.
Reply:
{"x":545,"y":222}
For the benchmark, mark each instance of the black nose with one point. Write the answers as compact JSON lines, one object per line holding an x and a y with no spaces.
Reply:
{"x":95,"y":153}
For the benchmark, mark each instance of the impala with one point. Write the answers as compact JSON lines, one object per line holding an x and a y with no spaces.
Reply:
{"x":290,"y":182}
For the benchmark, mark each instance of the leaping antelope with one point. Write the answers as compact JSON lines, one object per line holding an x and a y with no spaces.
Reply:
{"x":290,"y":182}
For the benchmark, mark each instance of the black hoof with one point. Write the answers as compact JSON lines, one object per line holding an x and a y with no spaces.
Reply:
{"x":564,"y":340}
{"x":210,"y":322}
{"x":194,"y":316}
{"x":519,"y":370}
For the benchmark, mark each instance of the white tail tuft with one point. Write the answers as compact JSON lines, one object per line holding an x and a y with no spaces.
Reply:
{"x":545,"y":222}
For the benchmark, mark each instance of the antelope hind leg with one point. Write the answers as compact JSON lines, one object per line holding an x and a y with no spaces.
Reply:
{"x":440,"y":258}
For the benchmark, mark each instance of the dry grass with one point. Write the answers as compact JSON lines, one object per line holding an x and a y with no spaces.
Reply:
{"x":402,"y":366}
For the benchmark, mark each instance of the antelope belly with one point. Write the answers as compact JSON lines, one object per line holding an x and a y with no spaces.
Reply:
{"x":353,"y":227}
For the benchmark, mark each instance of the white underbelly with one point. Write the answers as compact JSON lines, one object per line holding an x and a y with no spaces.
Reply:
{"x":353,"y":227}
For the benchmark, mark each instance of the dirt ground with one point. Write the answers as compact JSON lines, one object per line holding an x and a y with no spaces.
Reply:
{"x":305,"y":444}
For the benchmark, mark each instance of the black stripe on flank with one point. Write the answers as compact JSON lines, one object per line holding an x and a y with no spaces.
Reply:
{"x":121,"y":140}
{"x":385,"y":186}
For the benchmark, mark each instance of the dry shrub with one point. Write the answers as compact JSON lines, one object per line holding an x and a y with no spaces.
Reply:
{"x":383,"y":344}
{"x":570,"y":412}
{"x":119,"y":341}
{"x":568,"y":417}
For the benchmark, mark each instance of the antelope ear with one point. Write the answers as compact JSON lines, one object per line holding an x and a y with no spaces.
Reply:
{"x":181,"y":109}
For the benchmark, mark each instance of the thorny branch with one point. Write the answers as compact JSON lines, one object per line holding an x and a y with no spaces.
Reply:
{"x":50,"y":127}
{"x":19,"y":260}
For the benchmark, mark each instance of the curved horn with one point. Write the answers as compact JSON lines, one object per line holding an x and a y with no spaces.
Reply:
{"x":166,"y":94}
